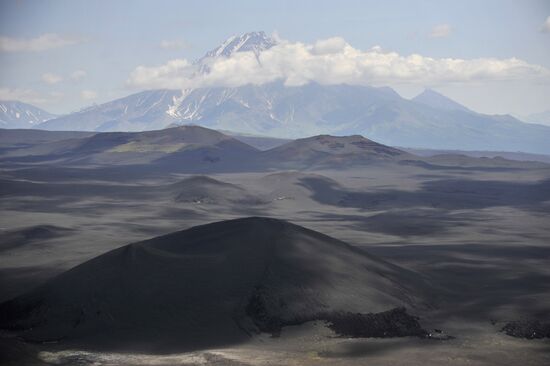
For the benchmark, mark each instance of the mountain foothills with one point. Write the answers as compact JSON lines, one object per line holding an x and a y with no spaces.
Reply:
{"x":429,"y":120}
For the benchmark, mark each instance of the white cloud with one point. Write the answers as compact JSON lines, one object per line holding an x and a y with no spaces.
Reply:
{"x":51,"y":78}
{"x":329,"y":46}
{"x":41,"y":43}
{"x":174,"y":74}
{"x":545,"y":28}
{"x":78,"y":75}
{"x":174,"y":44}
{"x":440,"y":31}
{"x":29,"y":95}
{"x":88,"y":94}
{"x":332,"y":61}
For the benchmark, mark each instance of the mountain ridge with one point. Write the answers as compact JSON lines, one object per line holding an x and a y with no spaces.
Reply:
{"x":250,"y":41}
{"x":16,"y":114}
{"x":437,"y":100}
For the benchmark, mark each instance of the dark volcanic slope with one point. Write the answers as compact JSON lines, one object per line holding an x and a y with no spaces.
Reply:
{"x":173,"y":144}
{"x":209,"y":285}
{"x":332,"y":151}
{"x":178,"y":148}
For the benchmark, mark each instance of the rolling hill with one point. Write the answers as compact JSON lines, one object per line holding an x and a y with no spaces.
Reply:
{"x":332,"y":151}
{"x":211,"y":285}
{"x":184,"y":146}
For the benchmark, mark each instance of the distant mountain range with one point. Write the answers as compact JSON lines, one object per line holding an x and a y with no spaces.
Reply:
{"x":429,"y":120}
{"x":149,"y":110}
{"x":14,"y":114}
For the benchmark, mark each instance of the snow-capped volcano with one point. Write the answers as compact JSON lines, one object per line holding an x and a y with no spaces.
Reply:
{"x":252,"y":41}
{"x":430,"y":120}
{"x":248,"y":42}
{"x":14,"y":114}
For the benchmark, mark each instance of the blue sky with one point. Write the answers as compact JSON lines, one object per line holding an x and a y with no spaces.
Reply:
{"x":92,"y":47}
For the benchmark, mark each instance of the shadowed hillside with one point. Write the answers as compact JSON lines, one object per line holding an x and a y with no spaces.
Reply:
{"x":211,"y":285}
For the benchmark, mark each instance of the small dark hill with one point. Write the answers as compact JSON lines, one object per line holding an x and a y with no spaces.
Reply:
{"x":332,"y":151}
{"x":201,"y":189}
{"x":208,"y":286}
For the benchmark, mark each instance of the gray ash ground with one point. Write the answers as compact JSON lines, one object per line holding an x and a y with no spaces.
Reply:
{"x":476,"y":228}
